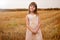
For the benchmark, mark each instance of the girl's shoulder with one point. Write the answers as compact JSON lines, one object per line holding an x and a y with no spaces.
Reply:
{"x":27,"y":15}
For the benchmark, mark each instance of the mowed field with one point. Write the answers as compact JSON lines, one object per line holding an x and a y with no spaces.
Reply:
{"x":12,"y":24}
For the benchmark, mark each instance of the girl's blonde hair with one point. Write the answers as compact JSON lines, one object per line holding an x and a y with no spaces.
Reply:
{"x":35,"y":5}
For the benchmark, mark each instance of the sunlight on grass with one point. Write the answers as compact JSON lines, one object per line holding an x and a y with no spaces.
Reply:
{"x":12,"y":25}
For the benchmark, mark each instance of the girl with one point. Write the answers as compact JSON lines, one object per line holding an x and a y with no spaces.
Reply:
{"x":33,"y":31}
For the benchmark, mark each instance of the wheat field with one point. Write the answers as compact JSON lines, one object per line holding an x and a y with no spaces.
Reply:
{"x":12,"y":24}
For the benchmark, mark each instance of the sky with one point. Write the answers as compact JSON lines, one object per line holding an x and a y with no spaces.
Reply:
{"x":21,"y":4}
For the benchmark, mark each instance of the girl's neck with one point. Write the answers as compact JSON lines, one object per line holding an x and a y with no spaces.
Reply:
{"x":32,"y":13}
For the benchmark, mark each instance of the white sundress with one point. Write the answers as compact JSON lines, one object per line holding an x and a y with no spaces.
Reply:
{"x":33,"y":22}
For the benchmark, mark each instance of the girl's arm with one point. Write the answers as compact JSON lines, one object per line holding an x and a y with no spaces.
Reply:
{"x":27,"y":24}
{"x":38,"y":26}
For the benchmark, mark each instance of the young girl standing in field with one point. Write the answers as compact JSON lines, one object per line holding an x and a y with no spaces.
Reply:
{"x":33,"y":31}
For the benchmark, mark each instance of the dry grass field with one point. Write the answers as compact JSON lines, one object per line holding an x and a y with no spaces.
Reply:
{"x":12,"y":24}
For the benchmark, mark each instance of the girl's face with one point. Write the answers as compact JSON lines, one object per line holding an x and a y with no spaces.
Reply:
{"x":32,"y":8}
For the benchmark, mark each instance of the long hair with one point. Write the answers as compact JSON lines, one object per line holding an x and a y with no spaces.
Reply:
{"x":35,"y":5}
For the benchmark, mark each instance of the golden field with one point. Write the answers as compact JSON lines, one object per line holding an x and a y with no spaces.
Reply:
{"x":12,"y":24}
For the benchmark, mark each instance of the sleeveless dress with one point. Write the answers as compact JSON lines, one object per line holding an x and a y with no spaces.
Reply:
{"x":33,"y":22}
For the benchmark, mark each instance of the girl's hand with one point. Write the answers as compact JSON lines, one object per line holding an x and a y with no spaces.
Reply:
{"x":34,"y":32}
